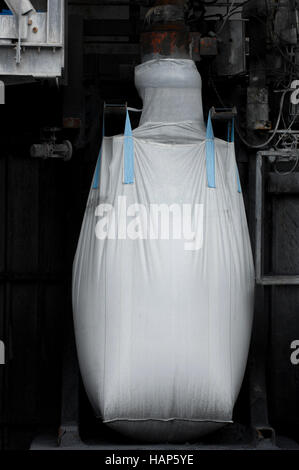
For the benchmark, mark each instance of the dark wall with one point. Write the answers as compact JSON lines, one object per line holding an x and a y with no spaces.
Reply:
{"x":41,"y":208}
{"x":42,"y":205}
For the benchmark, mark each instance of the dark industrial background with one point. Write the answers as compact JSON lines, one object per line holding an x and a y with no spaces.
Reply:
{"x":42,"y":203}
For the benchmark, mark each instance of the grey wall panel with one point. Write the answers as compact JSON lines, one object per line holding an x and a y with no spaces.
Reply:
{"x":53,"y":309}
{"x":24,"y":363}
{"x":52,"y":216}
{"x":283,"y":375}
{"x":22,"y":215}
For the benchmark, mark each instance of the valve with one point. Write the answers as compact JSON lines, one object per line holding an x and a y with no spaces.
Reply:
{"x":50,"y":149}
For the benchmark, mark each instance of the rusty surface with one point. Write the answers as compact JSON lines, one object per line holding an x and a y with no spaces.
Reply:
{"x":165,"y":43}
{"x":169,"y":2}
{"x":71,"y":123}
{"x":166,"y":33}
{"x":208,"y":46}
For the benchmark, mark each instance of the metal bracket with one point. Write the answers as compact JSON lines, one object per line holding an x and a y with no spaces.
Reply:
{"x":114,"y":107}
{"x":264,"y":437}
{"x":223,"y":114}
{"x":19,"y":8}
{"x":270,"y":280}
{"x":2,"y":92}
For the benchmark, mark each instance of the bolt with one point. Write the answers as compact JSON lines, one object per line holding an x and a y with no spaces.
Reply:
{"x":35,"y":29}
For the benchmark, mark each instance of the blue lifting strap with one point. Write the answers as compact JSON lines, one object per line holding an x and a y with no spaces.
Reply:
{"x":128,"y":152}
{"x":238,"y":181}
{"x":231,"y":130}
{"x":231,"y":138}
{"x":210,"y":154}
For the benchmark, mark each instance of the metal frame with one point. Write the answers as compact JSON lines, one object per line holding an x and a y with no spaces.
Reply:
{"x":39,"y":51}
{"x":2,"y":92}
{"x":270,"y":280}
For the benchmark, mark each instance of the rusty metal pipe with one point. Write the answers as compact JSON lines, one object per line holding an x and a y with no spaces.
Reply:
{"x":166,"y":33}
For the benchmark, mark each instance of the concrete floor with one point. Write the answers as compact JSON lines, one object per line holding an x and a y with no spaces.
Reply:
{"x":49,"y":442}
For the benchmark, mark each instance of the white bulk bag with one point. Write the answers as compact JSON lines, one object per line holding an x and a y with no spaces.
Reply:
{"x":163,"y":324}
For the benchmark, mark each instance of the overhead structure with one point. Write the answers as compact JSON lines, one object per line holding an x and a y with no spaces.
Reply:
{"x":32,"y":43}
{"x":20,"y":7}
